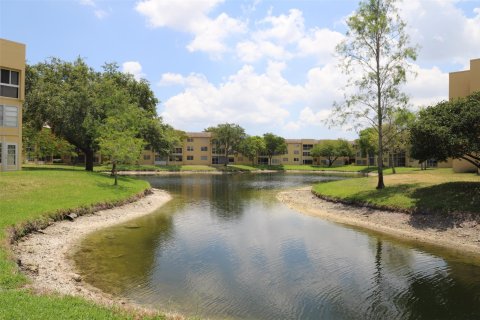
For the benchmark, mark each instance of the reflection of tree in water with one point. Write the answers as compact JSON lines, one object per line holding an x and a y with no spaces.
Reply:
{"x":398,"y":291}
{"x":121,"y":257}
{"x":455,"y":295}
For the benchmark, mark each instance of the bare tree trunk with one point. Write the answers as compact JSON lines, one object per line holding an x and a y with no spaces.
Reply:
{"x":89,"y":154}
{"x":114,"y":172}
{"x":380,"y":184}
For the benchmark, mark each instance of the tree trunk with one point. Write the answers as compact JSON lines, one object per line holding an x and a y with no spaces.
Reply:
{"x":392,"y":164}
{"x":114,"y":169}
{"x":89,"y":159}
{"x":380,"y":183}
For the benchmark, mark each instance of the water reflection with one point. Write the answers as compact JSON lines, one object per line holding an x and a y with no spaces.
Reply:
{"x":225,"y":248}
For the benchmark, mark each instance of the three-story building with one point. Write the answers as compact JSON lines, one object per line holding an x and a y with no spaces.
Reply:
{"x":12,"y":95}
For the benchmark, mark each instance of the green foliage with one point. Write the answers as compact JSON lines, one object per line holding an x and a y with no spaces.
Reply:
{"x":118,"y":139}
{"x":43,"y":143}
{"x":448,"y":129}
{"x":227,"y":138}
{"x":374,"y":55}
{"x":251,"y":147}
{"x":274,"y":145}
{"x":75,"y":101}
{"x":436,"y":191}
{"x":368,"y":141}
{"x":332,"y":150}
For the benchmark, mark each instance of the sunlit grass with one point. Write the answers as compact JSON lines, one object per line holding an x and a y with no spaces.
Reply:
{"x":434,"y":190}
{"x":36,"y":194}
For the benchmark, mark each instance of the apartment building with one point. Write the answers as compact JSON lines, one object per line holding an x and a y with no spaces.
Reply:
{"x":12,"y":95}
{"x":462,"y":84}
{"x":198,"y":149}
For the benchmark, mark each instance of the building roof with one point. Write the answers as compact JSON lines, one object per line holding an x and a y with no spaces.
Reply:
{"x":199,"y":134}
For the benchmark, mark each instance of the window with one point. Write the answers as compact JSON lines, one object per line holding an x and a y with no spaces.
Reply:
{"x":204,"y":158}
{"x":9,"y":81}
{"x":189,"y":148}
{"x":307,"y":146}
{"x":8,"y":116}
{"x":204,"y":149}
{"x":177,"y":150}
{"x":275,"y":161}
{"x":176,"y":158}
{"x":146,"y":157}
{"x":306,"y":153}
{"x":189,"y":139}
{"x":285,"y":159}
{"x":296,"y":152}
{"x":189,"y":158}
{"x":215,"y":160}
{"x":296,"y":159}
{"x":11,"y":155}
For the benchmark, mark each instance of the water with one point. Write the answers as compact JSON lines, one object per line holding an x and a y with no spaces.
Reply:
{"x":224,"y":247}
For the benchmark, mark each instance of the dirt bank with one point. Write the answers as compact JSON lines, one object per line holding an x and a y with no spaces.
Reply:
{"x":44,"y":255}
{"x":462,"y":234}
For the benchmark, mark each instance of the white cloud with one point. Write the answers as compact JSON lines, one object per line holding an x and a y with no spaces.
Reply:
{"x":90,"y":3}
{"x":192,"y":17}
{"x":444,"y":32}
{"x":98,"y":12}
{"x":246,"y":97}
{"x":429,"y":87}
{"x":134,"y":68}
{"x":320,"y":43}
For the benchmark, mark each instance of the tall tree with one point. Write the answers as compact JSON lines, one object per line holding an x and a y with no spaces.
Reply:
{"x":118,"y":138}
{"x":227,"y":137}
{"x":251,"y":147}
{"x":375,"y":55}
{"x":75,"y":101}
{"x":450,"y":129}
{"x":274,"y":145}
{"x":332,"y":150}
{"x":368,"y":142}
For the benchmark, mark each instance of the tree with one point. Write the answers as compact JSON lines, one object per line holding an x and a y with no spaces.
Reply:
{"x":43,"y":143}
{"x":274,"y":145}
{"x":75,"y":101}
{"x":397,"y":134}
{"x":251,"y":147}
{"x":368,"y":142}
{"x":119,"y":140}
{"x":227,"y":137}
{"x":375,"y":55}
{"x":332,"y":150}
{"x":448,"y":129}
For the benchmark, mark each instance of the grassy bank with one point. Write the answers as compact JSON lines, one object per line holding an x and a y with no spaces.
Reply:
{"x":229,"y":168}
{"x":39,"y":195}
{"x":435,"y":190}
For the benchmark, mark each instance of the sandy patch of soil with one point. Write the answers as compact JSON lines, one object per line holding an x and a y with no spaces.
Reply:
{"x":459,"y":234}
{"x":44,"y":255}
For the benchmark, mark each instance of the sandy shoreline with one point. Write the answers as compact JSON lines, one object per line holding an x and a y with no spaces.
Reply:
{"x":462,"y":236}
{"x":44,"y":255}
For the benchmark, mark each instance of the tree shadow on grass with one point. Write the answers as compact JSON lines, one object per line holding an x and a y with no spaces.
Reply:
{"x":446,"y":205}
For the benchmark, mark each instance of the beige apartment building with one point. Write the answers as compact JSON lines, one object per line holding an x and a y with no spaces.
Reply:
{"x":462,"y":84}
{"x":12,"y":95}
{"x":198,"y":149}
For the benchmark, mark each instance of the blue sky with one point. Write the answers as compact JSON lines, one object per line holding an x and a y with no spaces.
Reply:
{"x":266,"y":65}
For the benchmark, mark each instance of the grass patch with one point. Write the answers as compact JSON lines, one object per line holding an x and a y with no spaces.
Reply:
{"x":33,"y":197}
{"x":435,"y":190}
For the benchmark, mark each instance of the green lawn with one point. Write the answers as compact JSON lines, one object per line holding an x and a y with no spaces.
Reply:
{"x":434,"y":190}
{"x":36,"y":195}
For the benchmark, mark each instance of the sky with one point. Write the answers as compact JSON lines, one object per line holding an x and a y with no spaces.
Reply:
{"x":269,"y":66}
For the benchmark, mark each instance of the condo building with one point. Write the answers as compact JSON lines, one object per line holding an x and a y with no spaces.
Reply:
{"x":198,"y":149}
{"x":12,"y":95}
{"x":462,"y":84}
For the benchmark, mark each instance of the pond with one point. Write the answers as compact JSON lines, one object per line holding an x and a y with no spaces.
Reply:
{"x":226,"y":248}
